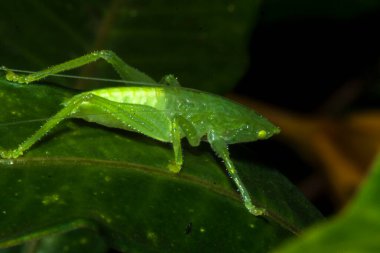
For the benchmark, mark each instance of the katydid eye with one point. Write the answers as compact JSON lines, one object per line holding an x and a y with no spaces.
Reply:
{"x":262,"y":134}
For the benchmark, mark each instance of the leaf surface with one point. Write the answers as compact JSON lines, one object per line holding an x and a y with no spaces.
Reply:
{"x":117,"y":183}
{"x":355,"y":230}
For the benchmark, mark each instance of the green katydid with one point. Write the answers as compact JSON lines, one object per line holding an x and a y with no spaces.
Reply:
{"x":166,"y":113}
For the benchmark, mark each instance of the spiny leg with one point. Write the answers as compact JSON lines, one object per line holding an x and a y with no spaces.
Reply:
{"x":180,"y":124}
{"x":123,"y":114}
{"x":125,"y":71}
{"x":221,"y":149}
{"x":70,"y":107}
{"x":176,"y":140}
{"x":189,"y":130}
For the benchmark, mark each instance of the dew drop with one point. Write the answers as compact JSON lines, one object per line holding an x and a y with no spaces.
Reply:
{"x":9,"y":162}
{"x":50,"y":199}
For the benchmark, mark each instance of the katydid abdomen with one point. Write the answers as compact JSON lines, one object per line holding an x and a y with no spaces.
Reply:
{"x":204,"y":111}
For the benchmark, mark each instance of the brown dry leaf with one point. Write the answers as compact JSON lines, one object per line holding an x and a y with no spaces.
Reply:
{"x":341,"y":148}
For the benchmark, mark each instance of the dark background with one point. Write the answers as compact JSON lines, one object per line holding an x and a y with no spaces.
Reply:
{"x":316,"y":65}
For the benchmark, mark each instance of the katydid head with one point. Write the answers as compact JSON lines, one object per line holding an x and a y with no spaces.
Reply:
{"x":250,"y":129}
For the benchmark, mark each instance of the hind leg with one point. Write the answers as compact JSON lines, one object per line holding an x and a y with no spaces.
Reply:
{"x":125,"y":71}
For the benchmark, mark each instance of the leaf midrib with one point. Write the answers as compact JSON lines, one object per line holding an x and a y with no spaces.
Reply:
{"x":78,"y":161}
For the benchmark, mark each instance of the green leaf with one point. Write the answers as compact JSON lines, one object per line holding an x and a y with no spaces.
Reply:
{"x":117,"y":183}
{"x":357,"y":229}
{"x":204,"y":43}
{"x":77,"y":241}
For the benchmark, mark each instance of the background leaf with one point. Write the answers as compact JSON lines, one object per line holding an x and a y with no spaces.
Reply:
{"x":204,"y":43}
{"x":355,"y":230}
